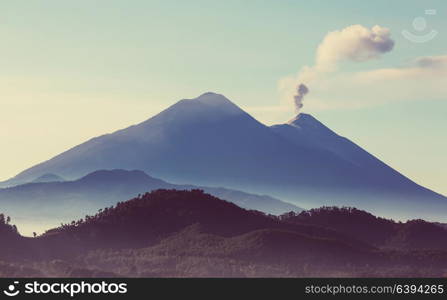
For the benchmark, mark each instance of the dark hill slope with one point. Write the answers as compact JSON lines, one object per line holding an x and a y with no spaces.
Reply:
{"x":147,"y":220}
{"x":384,"y":233}
{"x":191,"y":233}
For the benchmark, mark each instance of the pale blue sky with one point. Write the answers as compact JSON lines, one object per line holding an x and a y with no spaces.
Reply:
{"x":71,"y":70}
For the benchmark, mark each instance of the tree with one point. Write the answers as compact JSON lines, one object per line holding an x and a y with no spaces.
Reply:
{"x":34,"y":234}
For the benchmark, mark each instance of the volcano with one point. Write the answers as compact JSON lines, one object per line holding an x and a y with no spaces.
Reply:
{"x":211,"y":141}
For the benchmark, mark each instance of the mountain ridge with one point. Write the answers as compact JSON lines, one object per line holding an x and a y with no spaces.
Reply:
{"x":55,"y":202}
{"x":210,"y":141}
{"x":171,"y":233}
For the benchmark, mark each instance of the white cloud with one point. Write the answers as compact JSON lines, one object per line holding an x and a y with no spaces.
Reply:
{"x":422,"y":68}
{"x":353,"y":43}
{"x":424,"y":78}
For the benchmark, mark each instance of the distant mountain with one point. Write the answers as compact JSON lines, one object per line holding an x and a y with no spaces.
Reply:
{"x":210,"y":141}
{"x":42,"y":205}
{"x":305,"y":130}
{"x":48,"y":178}
{"x":171,"y":233}
{"x":393,"y":189}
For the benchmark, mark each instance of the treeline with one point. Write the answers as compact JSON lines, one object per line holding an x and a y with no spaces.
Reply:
{"x":190,"y":233}
{"x":6,"y":226}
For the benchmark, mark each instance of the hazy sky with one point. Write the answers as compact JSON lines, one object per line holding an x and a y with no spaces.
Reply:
{"x":72,"y":70}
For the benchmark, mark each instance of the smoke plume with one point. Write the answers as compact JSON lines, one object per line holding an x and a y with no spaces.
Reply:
{"x":354,"y":43}
{"x":301,"y":91}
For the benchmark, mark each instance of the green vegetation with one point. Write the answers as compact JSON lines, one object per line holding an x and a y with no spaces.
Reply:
{"x":171,"y":233}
